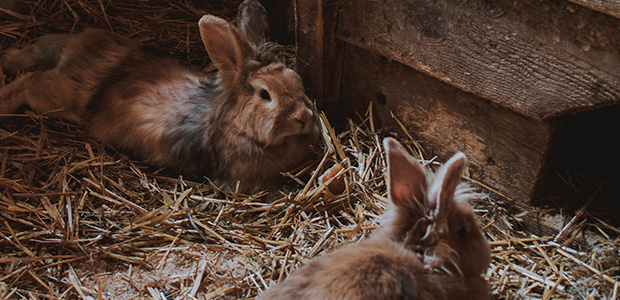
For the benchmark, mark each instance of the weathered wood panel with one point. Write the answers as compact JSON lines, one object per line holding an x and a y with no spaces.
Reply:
{"x":610,"y":7}
{"x":507,"y":150}
{"x":541,"y":58}
{"x":504,"y":74}
{"x":309,"y":32}
{"x":318,"y":52}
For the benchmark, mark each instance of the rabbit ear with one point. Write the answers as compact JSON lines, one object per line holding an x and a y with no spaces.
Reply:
{"x":448,"y":177}
{"x":226,"y":45}
{"x":406,"y":179}
{"x":252,"y":21}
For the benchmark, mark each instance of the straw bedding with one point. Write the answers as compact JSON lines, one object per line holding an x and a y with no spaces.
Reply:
{"x":79,"y":220}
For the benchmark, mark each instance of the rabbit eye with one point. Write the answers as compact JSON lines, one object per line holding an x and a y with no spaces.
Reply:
{"x":265,"y":95}
{"x":462,"y":232}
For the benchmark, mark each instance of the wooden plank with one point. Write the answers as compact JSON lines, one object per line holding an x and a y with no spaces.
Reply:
{"x":318,"y":53}
{"x":507,"y":150}
{"x":610,"y":7}
{"x":309,"y":32}
{"x":541,"y":58}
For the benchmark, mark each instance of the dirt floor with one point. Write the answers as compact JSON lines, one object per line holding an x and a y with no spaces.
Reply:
{"x":79,"y":220}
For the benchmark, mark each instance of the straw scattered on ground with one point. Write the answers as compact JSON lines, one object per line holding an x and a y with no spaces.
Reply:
{"x":79,"y":220}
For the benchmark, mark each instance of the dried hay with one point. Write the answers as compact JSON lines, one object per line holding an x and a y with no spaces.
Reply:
{"x":80,"y":220}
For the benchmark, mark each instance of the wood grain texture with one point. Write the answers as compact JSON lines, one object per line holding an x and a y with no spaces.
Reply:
{"x":507,"y":150}
{"x":543,"y":59}
{"x":610,"y":7}
{"x":318,"y":57}
{"x":309,"y":42}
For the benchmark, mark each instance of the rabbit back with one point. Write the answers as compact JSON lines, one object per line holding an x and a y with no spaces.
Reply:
{"x":125,"y":94}
{"x":155,"y":108}
{"x":132,"y":98}
{"x":373,"y":269}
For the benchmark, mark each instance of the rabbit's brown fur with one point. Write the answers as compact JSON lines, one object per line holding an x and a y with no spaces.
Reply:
{"x":430,"y":247}
{"x":245,"y":125}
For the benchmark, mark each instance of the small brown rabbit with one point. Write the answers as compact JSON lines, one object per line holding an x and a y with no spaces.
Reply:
{"x":243,"y":126}
{"x":430,"y":248}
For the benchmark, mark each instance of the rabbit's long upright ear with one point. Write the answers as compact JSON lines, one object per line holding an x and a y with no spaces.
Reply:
{"x":252,"y":21}
{"x":448,"y":177}
{"x":226,"y":45}
{"x":406,"y":180}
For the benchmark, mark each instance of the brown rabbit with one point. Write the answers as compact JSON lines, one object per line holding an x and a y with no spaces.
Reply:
{"x":430,"y":248}
{"x":245,"y":125}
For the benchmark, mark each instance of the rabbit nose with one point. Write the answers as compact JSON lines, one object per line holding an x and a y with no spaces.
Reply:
{"x":304,"y":117}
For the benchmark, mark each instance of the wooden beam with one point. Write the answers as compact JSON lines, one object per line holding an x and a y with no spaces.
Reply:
{"x":318,"y":53}
{"x":538,"y":58}
{"x":609,"y":7}
{"x":507,"y":150}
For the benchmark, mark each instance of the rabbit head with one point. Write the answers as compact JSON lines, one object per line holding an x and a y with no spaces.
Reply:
{"x":263,"y":100}
{"x":432,"y":215}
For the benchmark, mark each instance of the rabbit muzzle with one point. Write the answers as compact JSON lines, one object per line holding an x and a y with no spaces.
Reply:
{"x":304,"y":119}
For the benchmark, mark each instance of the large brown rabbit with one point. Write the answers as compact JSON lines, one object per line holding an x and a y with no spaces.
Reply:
{"x":245,"y":125}
{"x":430,"y":248}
